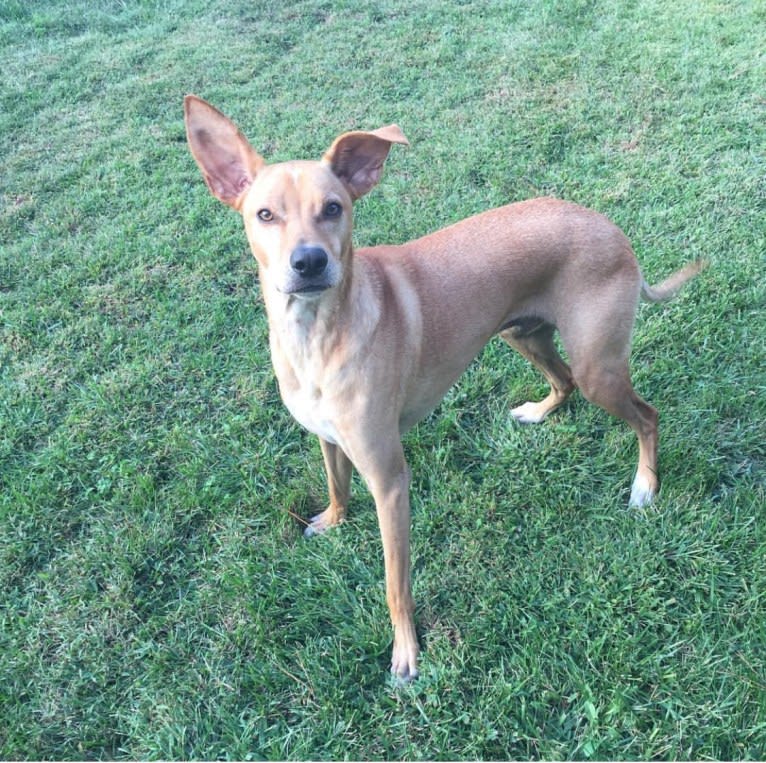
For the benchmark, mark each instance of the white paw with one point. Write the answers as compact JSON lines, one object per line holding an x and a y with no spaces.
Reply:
{"x":320,"y":523}
{"x":641,"y":494}
{"x":404,"y":662}
{"x":529,"y":413}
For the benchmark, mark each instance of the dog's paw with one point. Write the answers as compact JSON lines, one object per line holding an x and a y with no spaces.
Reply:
{"x":399,"y":680}
{"x":529,"y":413}
{"x":322,"y":523}
{"x":404,"y":658}
{"x":404,"y":671}
{"x":641,"y":493}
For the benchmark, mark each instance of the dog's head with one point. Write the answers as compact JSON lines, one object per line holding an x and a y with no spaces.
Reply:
{"x":297,"y":214}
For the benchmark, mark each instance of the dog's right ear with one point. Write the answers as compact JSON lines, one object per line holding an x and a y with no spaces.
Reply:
{"x":228,"y":162}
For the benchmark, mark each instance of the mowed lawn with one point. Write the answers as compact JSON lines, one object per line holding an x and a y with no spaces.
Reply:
{"x":157,"y":599}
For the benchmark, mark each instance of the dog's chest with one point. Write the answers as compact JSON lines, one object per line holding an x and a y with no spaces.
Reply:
{"x":300,"y":386}
{"x":313,"y":372}
{"x":307,"y":407}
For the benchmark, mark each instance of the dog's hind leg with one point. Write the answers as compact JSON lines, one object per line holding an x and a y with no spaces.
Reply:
{"x":611,"y":389}
{"x":598,"y":348}
{"x":537,"y":346}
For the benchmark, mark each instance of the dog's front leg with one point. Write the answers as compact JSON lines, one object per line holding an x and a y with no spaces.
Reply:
{"x":338,"y":468}
{"x":389,"y":483}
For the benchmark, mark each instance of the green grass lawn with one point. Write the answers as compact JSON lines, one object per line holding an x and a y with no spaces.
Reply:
{"x":157,"y":599}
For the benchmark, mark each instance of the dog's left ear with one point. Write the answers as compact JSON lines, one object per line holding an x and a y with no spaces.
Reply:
{"x":357,"y":157}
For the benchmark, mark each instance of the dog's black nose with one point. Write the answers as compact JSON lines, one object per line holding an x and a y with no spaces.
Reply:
{"x":308,"y":261}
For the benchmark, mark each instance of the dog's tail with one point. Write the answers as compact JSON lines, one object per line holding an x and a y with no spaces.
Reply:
{"x":668,"y":289}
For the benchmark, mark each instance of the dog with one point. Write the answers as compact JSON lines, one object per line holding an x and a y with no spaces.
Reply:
{"x":366,"y":343}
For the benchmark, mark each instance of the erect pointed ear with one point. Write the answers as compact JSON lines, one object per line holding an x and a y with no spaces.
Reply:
{"x":357,"y":157}
{"x":228,"y":162}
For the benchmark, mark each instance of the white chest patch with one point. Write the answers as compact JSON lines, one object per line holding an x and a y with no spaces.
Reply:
{"x":307,"y":409}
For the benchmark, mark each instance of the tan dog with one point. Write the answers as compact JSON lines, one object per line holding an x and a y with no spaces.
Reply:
{"x":366,"y":343}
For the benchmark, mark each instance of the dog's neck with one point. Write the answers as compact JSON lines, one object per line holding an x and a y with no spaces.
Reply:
{"x":338,"y":320}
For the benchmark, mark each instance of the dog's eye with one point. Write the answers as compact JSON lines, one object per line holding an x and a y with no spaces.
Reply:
{"x":332,"y":209}
{"x":265,"y":215}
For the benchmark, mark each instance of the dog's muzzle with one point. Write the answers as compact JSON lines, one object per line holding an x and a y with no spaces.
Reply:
{"x":308,"y":271}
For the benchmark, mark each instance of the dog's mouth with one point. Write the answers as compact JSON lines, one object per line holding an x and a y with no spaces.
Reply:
{"x":306,"y":290}
{"x":296,"y":285}
{"x":310,"y":284}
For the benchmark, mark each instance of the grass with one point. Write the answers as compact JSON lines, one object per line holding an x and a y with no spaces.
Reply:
{"x":157,"y":600}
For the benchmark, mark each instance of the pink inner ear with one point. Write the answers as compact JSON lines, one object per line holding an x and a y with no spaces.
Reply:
{"x":357,"y":158}
{"x":226,"y":177}
{"x":359,"y":162}
{"x":228,"y":162}
{"x":365,"y":178}
{"x":218,"y":187}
